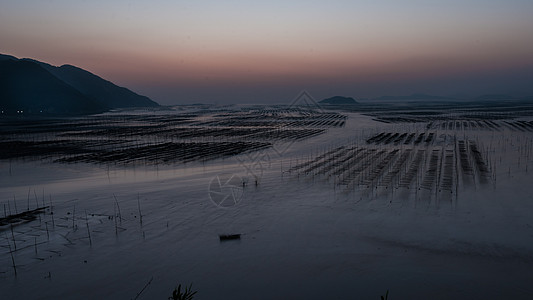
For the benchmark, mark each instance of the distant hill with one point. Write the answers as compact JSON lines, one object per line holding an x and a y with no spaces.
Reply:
{"x":33,"y":87}
{"x":487,"y":97}
{"x":496,"y":97}
{"x":339,"y":100}
{"x":413,"y":97}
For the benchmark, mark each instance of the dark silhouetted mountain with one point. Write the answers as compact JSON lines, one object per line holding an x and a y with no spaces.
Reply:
{"x":7,"y":57}
{"x":34,"y":86}
{"x":413,"y":97}
{"x":339,"y":100}
{"x":26,"y":86}
{"x":101,"y":90}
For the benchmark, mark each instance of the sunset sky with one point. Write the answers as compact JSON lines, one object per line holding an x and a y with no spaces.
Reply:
{"x":248,"y":51}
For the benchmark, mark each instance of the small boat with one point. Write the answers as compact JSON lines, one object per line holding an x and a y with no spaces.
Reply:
{"x":229,"y":237}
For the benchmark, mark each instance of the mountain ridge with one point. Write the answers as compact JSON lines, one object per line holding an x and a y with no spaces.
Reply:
{"x":71,"y":90}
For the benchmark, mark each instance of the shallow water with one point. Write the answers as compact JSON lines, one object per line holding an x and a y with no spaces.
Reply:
{"x":302,"y":236}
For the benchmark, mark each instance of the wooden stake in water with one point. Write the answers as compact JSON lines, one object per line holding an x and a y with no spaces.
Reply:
{"x":115,"y":219}
{"x":145,"y":286}
{"x":139,"y":206}
{"x":47,"y":232}
{"x":13,"y":236}
{"x":52,"y":212}
{"x":118,"y":207}
{"x":88,"y":231}
{"x":73,"y":214}
{"x":15,"y":201}
{"x":29,"y":190}
{"x":36,"y":200}
{"x":12,"y":258}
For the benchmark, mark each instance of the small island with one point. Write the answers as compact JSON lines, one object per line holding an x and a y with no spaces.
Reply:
{"x":339,"y":100}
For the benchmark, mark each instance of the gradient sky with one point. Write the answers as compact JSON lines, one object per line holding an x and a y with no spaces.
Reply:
{"x":249,"y":52}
